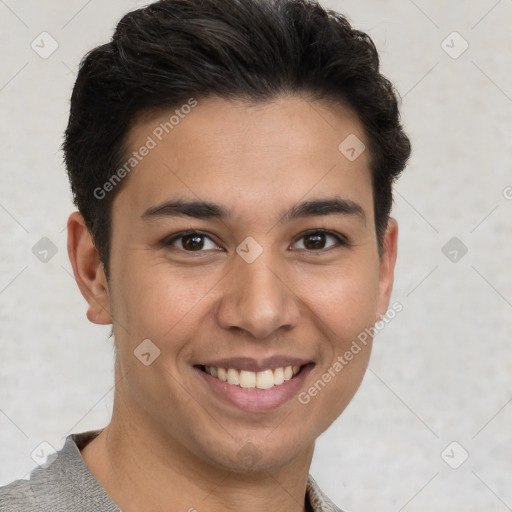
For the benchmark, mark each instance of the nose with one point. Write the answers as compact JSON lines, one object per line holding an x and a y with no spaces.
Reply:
{"x":258,"y":299}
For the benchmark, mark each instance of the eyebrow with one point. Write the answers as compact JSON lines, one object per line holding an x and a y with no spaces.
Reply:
{"x":209,"y":210}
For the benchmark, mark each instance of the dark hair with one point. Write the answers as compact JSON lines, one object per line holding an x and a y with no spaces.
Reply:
{"x":162,"y":55}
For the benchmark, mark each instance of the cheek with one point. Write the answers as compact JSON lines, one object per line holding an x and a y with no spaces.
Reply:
{"x":153,"y":300}
{"x":344,"y":307}
{"x":344,"y":299}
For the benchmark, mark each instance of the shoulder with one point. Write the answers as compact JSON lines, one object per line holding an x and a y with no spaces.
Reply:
{"x":63,"y":483}
{"x":18,"y":497}
{"x":33,"y":495}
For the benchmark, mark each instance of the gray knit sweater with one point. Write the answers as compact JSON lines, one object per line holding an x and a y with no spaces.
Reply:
{"x":67,"y":485}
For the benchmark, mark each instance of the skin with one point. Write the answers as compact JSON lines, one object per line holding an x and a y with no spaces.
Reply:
{"x":171,"y":445}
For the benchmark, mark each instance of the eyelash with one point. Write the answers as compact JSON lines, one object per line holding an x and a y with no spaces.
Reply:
{"x":341,"y":240}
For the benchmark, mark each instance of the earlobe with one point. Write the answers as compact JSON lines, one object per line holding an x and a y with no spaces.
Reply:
{"x":88,"y":270}
{"x":387,"y":266}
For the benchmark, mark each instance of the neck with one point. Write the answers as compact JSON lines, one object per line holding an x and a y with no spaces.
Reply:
{"x":142,"y":469}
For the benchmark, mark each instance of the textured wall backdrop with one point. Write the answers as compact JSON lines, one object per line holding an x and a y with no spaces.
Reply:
{"x":429,"y":429}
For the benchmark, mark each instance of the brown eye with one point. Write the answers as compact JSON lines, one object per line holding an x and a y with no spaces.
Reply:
{"x":314,"y":241}
{"x":321,"y":239}
{"x":191,"y":242}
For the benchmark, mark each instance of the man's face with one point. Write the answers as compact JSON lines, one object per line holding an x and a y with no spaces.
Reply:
{"x":273,"y":282}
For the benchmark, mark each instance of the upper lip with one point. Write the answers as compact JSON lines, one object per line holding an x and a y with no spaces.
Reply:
{"x":256,"y":365}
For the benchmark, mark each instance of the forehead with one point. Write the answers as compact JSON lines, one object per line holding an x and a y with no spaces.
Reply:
{"x":248,"y":152}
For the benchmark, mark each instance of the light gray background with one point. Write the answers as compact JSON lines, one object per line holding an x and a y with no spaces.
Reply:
{"x":440,"y":372}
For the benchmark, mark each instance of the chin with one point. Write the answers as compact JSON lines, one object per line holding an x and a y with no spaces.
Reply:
{"x":254,"y":457}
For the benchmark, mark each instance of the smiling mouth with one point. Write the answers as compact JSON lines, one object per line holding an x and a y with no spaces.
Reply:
{"x":265,"y":379}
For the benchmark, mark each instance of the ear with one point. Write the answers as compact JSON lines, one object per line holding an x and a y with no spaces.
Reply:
{"x":88,"y":270}
{"x":387,"y":265}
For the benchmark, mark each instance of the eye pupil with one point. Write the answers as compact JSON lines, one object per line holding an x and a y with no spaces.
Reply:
{"x":314,"y":241}
{"x":193,"y":242}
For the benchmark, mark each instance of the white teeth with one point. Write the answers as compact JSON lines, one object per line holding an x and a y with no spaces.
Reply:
{"x":222,"y":374}
{"x":233,"y":377}
{"x":246,"y":379}
{"x":278,"y":376}
{"x":265,"y":379}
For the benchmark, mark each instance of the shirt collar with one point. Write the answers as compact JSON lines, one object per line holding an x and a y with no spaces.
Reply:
{"x":317,"y":500}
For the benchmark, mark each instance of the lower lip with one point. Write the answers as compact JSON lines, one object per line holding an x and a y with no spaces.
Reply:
{"x":254,"y":399}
